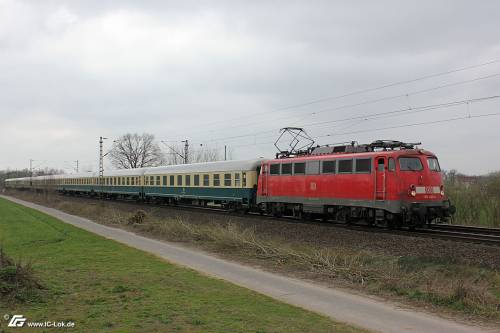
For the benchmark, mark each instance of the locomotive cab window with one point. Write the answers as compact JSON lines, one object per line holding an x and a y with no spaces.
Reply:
{"x":410,"y":164}
{"x":274,"y":169}
{"x":299,"y":168}
{"x":392,"y":164}
{"x":286,"y":169}
{"x":433,"y":164}
{"x":345,"y":166}
{"x":363,"y":165}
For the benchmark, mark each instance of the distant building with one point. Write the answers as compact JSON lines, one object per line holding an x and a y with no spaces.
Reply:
{"x":467,"y":180}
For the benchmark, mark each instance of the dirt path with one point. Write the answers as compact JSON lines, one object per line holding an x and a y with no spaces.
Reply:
{"x":353,"y":309}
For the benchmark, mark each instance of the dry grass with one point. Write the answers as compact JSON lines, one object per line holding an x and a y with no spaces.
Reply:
{"x":17,"y":280}
{"x":444,"y":282}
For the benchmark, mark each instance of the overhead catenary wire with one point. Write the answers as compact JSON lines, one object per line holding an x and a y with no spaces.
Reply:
{"x":386,"y":128}
{"x":358,"y":92}
{"x":372,"y":115}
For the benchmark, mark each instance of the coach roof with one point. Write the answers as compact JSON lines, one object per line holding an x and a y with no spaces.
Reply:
{"x":220,"y":166}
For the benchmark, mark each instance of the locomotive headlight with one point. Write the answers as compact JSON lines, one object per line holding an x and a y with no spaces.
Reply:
{"x":413,"y":191}
{"x":442,"y":190}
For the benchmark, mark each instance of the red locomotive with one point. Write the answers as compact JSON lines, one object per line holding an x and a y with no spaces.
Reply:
{"x":386,"y":182}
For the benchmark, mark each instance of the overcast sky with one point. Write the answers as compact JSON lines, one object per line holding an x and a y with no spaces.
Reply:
{"x":234,"y":72}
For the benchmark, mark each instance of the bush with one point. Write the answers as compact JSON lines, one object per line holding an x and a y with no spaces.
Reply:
{"x":137,"y":218}
{"x":477,"y":203}
{"x":17,"y":280}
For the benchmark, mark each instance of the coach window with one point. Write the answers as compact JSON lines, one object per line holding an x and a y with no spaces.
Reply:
{"x":188,"y":180}
{"x":244,"y":177}
{"x":196,"y":180}
{"x":206,"y":180}
{"x":275,"y":169}
{"x":216,"y":179}
{"x":171,"y":181}
{"x":328,"y":167}
{"x":363,"y":165}
{"x":151,"y":180}
{"x":345,"y":166}
{"x":237,"y":180}
{"x":299,"y":168}
{"x":164,"y":180}
{"x":286,"y":168}
{"x":179,"y":180}
{"x":392,"y":164}
{"x":133,"y":181}
{"x":158,"y":180}
{"x":128,"y":180}
{"x":312,"y":167}
{"x":227,"y":179}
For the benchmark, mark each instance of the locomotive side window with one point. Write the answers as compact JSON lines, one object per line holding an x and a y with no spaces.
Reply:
{"x":392,"y":164}
{"x":345,"y":166}
{"x":312,"y":168}
{"x":329,"y":166}
{"x":433,"y":164}
{"x":410,"y":164}
{"x":286,"y":169}
{"x":299,"y":168}
{"x":363,"y":165}
{"x":275,"y":169}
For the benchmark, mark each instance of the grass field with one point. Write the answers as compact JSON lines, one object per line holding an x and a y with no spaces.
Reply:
{"x":102,"y":285}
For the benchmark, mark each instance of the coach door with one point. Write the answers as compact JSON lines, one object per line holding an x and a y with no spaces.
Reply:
{"x":380,"y":177}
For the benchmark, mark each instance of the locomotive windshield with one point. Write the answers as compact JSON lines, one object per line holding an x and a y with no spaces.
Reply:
{"x":410,"y":164}
{"x":433,"y":164}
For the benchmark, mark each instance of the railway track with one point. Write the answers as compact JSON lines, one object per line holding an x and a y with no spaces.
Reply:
{"x":468,"y":234}
{"x":465,"y":233}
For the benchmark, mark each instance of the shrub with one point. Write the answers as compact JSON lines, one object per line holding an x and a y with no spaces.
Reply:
{"x":17,"y":280}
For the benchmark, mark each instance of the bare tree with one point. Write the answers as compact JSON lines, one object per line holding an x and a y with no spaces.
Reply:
{"x":136,"y":151}
{"x":196,"y":155}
